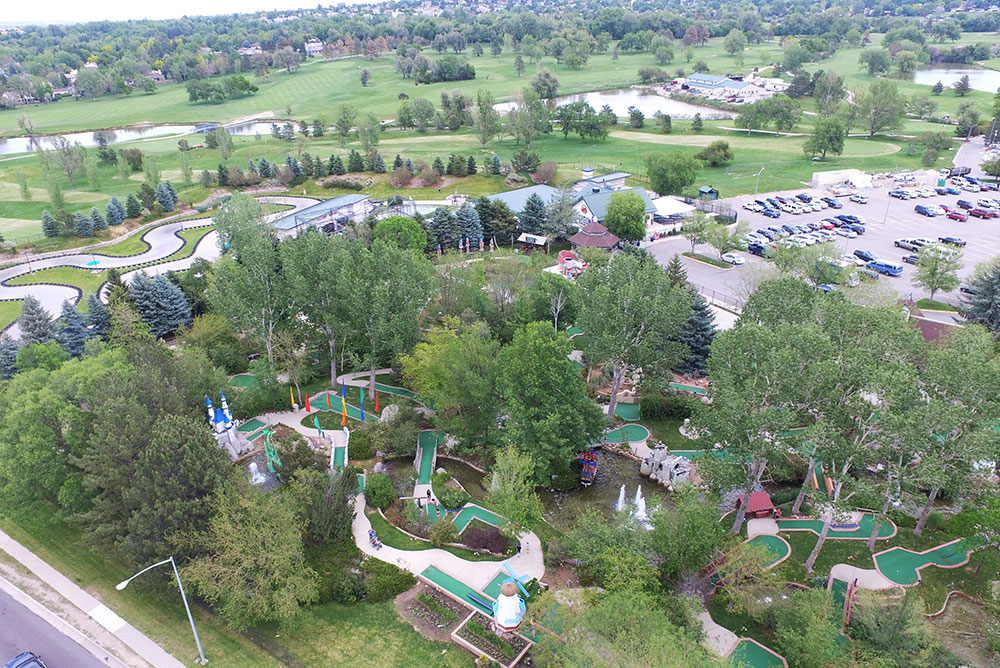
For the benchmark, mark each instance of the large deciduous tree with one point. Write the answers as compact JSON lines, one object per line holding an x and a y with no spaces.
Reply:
{"x":510,"y":489}
{"x":626,"y":216}
{"x":631,"y":313}
{"x":670,"y":173}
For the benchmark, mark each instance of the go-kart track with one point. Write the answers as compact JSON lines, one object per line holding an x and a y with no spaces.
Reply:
{"x":162,"y":241}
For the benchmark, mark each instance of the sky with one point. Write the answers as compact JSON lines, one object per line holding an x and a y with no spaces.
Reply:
{"x":73,"y":11}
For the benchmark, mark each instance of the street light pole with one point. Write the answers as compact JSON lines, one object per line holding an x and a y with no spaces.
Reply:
{"x":757,"y":182}
{"x":124,"y":583}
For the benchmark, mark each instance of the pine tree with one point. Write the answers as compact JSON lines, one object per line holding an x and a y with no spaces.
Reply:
{"x":938,"y":88}
{"x":115,"y":211}
{"x":410,"y":167}
{"x":398,"y":162}
{"x":160,"y":302}
{"x":147,"y":196}
{"x":172,"y":190}
{"x":73,"y":331}
{"x":698,"y":334}
{"x":8,"y":357}
{"x":98,"y":316}
{"x":293,"y":164}
{"x":222,"y":175}
{"x":83,"y":225}
{"x":470,"y":167}
{"x":337,"y":165}
{"x":252,"y":167}
{"x":50,"y":226}
{"x":35,"y":323}
{"x":354,"y":162}
{"x":164,"y":197}
{"x":266,"y":169}
{"x":676,"y":273}
{"x":445,"y":228}
{"x":319,"y":169}
{"x":99,"y":222}
{"x":378,"y":164}
{"x":469,"y":226}
{"x":697,"y":124}
{"x":534,"y":215}
{"x":307,"y":163}
{"x":495,"y":166}
{"x":133,"y":208}
{"x":983,"y":304}
{"x":438,"y":165}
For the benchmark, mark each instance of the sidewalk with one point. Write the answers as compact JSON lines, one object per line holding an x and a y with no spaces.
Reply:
{"x":103,"y":615}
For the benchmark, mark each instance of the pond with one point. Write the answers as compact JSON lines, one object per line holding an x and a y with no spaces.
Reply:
{"x":979,"y":79}
{"x":644,"y":99}
{"x":562,"y":508}
{"x":12,"y":145}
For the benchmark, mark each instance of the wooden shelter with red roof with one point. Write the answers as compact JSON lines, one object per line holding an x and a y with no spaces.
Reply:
{"x":760,"y":505}
{"x":594,"y":235}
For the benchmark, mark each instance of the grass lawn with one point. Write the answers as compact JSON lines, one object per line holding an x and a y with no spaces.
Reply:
{"x":666,"y":431}
{"x":161,"y":617}
{"x":707,"y":260}
{"x":131,"y":246}
{"x":9,"y":312}
{"x":367,"y":634}
{"x":86,"y":279}
{"x":927,"y":304}
{"x":393,"y":537}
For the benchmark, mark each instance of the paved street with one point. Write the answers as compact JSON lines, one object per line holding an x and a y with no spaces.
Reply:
{"x":23,"y":631}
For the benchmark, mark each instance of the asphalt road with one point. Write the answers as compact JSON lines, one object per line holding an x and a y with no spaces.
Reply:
{"x":23,"y":631}
{"x":886,"y":219}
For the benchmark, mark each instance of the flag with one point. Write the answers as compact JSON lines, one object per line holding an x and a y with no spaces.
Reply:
{"x":376,"y":401}
{"x":343,"y":390}
{"x":343,"y":405}
{"x":362,"y":404}
{"x":318,"y":428}
{"x":307,"y":403}
{"x":328,"y":400}
{"x":291,"y":395}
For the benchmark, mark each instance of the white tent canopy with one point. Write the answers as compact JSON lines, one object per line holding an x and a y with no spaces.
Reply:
{"x":671,"y":206}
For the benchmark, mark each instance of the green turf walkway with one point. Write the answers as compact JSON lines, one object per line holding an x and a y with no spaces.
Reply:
{"x":426,"y":443}
{"x":778,"y":547}
{"x":749,"y":653}
{"x":319,"y":403}
{"x":694,"y":389}
{"x":459,"y":590}
{"x":864,"y":530}
{"x":839,"y":590}
{"x":633,"y":432}
{"x":398,"y":391}
{"x":493,"y":588}
{"x":252,"y":425}
{"x":339,"y":457}
{"x":244,"y":380}
{"x":627,"y":412}
{"x":469,"y":513}
{"x":573,"y":331}
{"x":901,"y":566}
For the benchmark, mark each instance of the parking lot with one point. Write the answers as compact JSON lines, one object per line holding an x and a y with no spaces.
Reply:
{"x":885,"y":219}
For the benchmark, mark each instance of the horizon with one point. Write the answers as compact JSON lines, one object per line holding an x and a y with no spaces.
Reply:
{"x":117,"y":10}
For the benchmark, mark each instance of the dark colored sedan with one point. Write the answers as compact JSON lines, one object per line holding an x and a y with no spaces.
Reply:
{"x":857,"y":227}
{"x":848,"y":218}
{"x":25,"y":660}
{"x":832,"y":203}
{"x":865,"y":255}
{"x":771,"y":213}
{"x":910,"y":259}
{"x":952,"y":241}
{"x":964,"y":204}
{"x":967,"y":289}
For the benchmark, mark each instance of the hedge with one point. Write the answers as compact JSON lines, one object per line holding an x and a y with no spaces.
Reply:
{"x":672,"y":407}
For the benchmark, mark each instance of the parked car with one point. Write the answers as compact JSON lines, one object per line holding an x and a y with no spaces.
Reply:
{"x":985,"y":203}
{"x":846,"y":232}
{"x":803,"y":197}
{"x":771,"y":213}
{"x":848,"y":218}
{"x":853,"y":259}
{"x":982,"y":213}
{"x":952,"y":190}
{"x":924,"y":210}
{"x":970,"y":187}
{"x":778,"y":232}
{"x":941,"y":191}
{"x":922,"y":241}
{"x":964,"y":204}
{"x":857,"y":227}
{"x":967,"y":289}
{"x":910,"y":259}
{"x":899,"y":194}
{"x":959,"y":171}
{"x":753,"y":206}
{"x":754,"y":238}
{"x":955,"y":214}
{"x":733,"y":258}
{"x":826,"y":224}
{"x":865,"y":255}
{"x":937,"y":210}
{"x":834,"y":204}
{"x":826,"y":287}
{"x":766,"y":233}
{"x":860,"y":199}
{"x":25,"y":660}
{"x":953,"y":241}
{"x":761,"y":250}
{"x":906,"y":244}
{"x":886,"y":267}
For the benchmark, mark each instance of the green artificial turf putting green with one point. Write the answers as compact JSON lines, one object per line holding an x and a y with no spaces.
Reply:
{"x":902,"y":566}
{"x":777,"y":546}
{"x":469,"y":513}
{"x":627,"y":412}
{"x":753,"y":655}
{"x":863,"y":531}
{"x":244,"y":380}
{"x":630,"y":432}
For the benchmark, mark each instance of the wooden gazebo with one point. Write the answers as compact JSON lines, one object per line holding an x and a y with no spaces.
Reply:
{"x":594,"y":235}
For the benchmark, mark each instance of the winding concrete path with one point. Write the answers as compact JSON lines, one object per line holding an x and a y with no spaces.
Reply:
{"x":163,"y":241}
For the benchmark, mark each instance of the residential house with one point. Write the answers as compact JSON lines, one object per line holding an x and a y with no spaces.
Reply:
{"x":592,"y":205}
{"x":516,"y":199}
{"x":314,"y":47}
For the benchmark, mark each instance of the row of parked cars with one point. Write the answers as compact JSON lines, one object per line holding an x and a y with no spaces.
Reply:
{"x":773,"y":207}
{"x":807,"y":234}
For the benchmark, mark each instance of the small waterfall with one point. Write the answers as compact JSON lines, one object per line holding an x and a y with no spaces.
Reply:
{"x":640,"y":509}
{"x":621,"y":499}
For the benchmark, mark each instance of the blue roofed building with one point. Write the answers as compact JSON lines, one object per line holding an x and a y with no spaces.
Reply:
{"x":515,"y":199}
{"x":329,"y":216}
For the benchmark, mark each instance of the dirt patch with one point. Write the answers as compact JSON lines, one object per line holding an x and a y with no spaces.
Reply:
{"x":562,"y":577}
{"x":422,"y":619}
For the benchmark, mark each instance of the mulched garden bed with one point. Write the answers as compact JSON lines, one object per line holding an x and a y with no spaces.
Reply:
{"x":477,"y":632}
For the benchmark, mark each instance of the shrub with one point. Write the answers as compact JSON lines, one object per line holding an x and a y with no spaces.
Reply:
{"x":443,"y":531}
{"x":484,"y":538}
{"x":335,"y":565}
{"x":935,"y":521}
{"x":345,"y":182}
{"x":379,"y":490}
{"x":672,"y":407}
{"x":252,"y":401}
{"x":400,"y":177}
{"x":360,"y":445}
{"x":492,"y":640}
{"x":437,"y":607}
{"x":525,"y":162}
{"x":546,"y":172}
{"x":384,"y":581}
{"x":450,"y":497}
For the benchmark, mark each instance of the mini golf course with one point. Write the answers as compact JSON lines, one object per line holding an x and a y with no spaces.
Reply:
{"x":694,"y":389}
{"x":751,"y":653}
{"x":251,"y":426}
{"x":775,"y":544}
{"x":243,"y":380}
{"x":339,"y":457}
{"x":629,"y":433}
{"x":493,"y":588}
{"x":902,"y":566}
{"x":459,"y":591}
{"x":627,"y":412}
{"x":318,"y":402}
{"x":427,"y":443}
{"x":861,"y":532}
{"x":469,"y":513}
